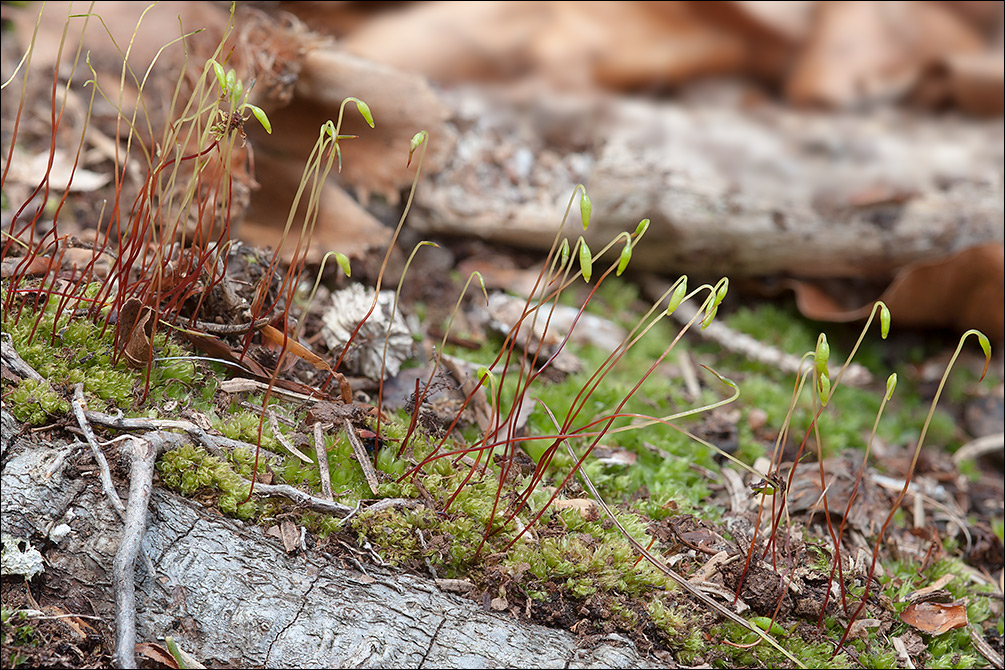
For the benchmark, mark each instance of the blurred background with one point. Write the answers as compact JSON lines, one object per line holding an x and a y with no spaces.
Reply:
{"x":842,"y":151}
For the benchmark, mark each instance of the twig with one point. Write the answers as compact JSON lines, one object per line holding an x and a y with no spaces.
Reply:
{"x":274,"y":424}
{"x":901,"y":649}
{"x":215,"y":444}
{"x":142,"y":455}
{"x":981,"y":645}
{"x":974,"y":449}
{"x":364,"y":459}
{"x":322,"y":454}
{"x":79,"y":406}
{"x":388,"y":503}
{"x":15,"y":363}
{"x":690,"y":376}
{"x":241,"y":385}
{"x":301,"y":498}
{"x":231,"y":328}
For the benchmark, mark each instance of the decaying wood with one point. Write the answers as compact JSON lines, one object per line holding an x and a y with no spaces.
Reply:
{"x":730,"y":190}
{"x":235,"y":597}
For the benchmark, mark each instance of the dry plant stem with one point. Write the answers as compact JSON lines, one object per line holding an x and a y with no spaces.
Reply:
{"x":678,"y":579}
{"x":295,"y":495}
{"x":231,"y":328}
{"x":994,"y":658}
{"x":142,"y":454}
{"x":215,"y":444}
{"x":361,"y":456}
{"x":282,"y":439}
{"x":322,"y":454}
{"x":299,"y":497}
{"x":80,"y":412}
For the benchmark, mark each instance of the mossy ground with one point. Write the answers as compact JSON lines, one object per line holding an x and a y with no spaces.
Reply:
{"x":574,"y":569}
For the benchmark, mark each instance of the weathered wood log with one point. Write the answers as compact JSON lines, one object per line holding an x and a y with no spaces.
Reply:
{"x":232,"y":596}
{"x":730,"y":190}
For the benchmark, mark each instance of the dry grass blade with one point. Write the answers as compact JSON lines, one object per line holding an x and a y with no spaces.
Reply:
{"x":678,"y":579}
{"x":364,"y":459}
{"x":283,"y":440}
{"x":322,"y":454}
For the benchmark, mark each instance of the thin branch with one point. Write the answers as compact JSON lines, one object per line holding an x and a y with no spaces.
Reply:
{"x":231,"y":328}
{"x":745,"y":345}
{"x":215,"y":444}
{"x":282,"y":439}
{"x":301,"y":498}
{"x":359,"y":451}
{"x":142,"y":454}
{"x":79,"y":406}
{"x":322,"y":454}
{"x":15,"y":363}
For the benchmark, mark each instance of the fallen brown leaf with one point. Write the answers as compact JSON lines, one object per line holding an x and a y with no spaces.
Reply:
{"x":133,"y":332}
{"x":217,"y":348}
{"x":276,"y":337}
{"x":871,"y":52}
{"x":160,"y":656}
{"x":935,"y":618}
{"x":963,"y":290}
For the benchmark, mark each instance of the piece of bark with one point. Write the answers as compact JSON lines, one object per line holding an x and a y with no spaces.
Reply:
{"x":237,"y":598}
{"x":736,"y":192}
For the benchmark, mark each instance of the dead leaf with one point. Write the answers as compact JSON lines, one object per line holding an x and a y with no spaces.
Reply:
{"x":290,"y":533}
{"x":935,"y":618}
{"x":964,"y":290}
{"x":587,"y":508}
{"x":977,"y":82}
{"x":38,"y":265}
{"x":61,"y":175}
{"x":217,"y":348}
{"x":275,"y":337}
{"x":343,"y":224}
{"x":161,"y":657}
{"x":134,"y":329}
{"x":870,"y":52}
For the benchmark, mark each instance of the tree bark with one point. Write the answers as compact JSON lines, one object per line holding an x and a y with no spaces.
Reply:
{"x":232,"y":596}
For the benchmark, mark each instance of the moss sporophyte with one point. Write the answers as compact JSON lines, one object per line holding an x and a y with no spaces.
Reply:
{"x":594,"y":488}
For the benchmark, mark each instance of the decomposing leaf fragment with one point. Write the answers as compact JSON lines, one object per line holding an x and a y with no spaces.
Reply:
{"x":276,"y":337}
{"x":160,"y":656}
{"x":936,"y":618}
{"x":135,"y":328}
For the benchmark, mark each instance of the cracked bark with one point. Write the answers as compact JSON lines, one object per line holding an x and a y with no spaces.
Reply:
{"x":232,"y":596}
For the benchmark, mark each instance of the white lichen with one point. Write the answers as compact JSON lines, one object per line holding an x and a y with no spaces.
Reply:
{"x":15,"y":561}
{"x":366,"y":351}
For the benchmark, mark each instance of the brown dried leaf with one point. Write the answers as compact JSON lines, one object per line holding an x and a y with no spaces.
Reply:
{"x":160,"y":656}
{"x":977,"y":82}
{"x":134,"y":329}
{"x":275,"y":337}
{"x":217,"y":348}
{"x":964,"y":290}
{"x":39,"y":265}
{"x":936,"y":618}
{"x":869,"y":52}
{"x":290,"y":533}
